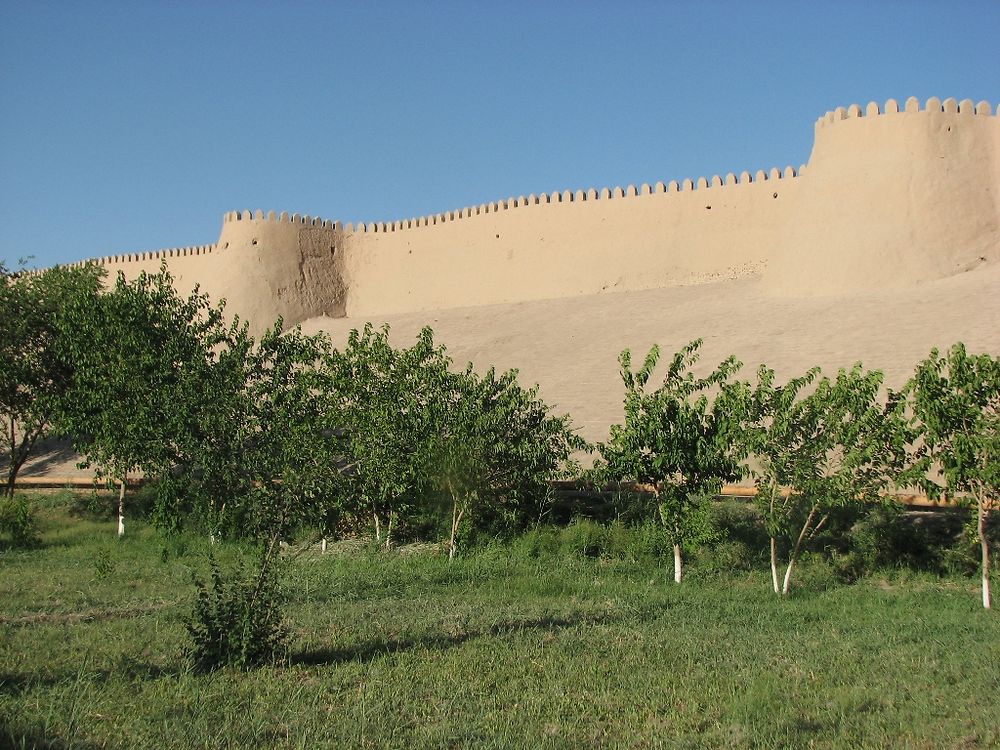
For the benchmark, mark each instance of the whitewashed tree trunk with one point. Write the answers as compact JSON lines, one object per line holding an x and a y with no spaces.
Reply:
{"x":678,"y":570}
{"x":378,"y":527}
{"x":786,"y":586}
{"x":388,"y":530}
{"x":121,"y":509}
{"x":456,"y":519}
{"x":984,"y":546}
{"x":774,"y":565}
{"x":322,"y":547}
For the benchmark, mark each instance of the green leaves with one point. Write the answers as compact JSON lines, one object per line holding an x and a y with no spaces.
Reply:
{"x":955,"y":399}
{"x":35,"y":377}
{"x":677,"y":437}
{"x":416,"y":429}
{"x":142,"y":361}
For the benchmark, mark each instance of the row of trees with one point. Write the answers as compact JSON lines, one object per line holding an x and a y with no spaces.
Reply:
{"x":811,"y":445}
{"x":260,"y":438}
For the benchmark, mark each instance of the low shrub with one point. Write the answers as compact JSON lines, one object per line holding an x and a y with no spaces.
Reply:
{"x":237,"y":619}
{"x":17,"y":521}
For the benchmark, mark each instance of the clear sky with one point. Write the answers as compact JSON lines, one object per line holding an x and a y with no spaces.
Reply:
{"x":132,"y":126}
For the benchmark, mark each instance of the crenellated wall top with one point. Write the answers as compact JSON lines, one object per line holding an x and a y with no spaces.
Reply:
{"x":910,"y":106}
{"x":173,"y":252}
{"x":580,"y":196}
{"x":284,"y":217}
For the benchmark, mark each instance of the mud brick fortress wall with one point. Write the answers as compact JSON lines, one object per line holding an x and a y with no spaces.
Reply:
{"x":891,"y":195}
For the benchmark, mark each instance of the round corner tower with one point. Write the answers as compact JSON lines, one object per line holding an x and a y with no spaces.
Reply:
{"x":893,"y":197}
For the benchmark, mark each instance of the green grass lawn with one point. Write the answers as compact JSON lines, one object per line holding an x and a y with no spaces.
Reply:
{"x":501,"y":648}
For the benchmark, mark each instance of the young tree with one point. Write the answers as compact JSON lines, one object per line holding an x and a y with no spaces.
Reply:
{"x":33,"y":377}
{"x":384,"y":397}
{"x":812,"y":452}
{"x":142,"y":359}
{"x":677,"y":439}
{"x":494,"y":445}
{"x":274,"y":460}
{"x":955,"y":400}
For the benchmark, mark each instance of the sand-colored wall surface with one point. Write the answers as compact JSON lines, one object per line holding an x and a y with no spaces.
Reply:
{"x":570,"y":346}
{"x":571,"y":244}
{"x":892,"y":196}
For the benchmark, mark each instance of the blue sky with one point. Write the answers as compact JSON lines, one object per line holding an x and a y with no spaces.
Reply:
{"x":130,"y":126}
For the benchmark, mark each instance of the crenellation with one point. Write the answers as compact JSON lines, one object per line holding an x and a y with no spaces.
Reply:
{"x":852,"y":144}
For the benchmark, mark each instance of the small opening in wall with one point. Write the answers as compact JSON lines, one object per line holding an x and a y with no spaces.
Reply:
{"x":254,"y":241}
{"x":225,"y":246}
{"x":498,"y":236}
{"x":708,"y":207}
{"x":775,"y":195}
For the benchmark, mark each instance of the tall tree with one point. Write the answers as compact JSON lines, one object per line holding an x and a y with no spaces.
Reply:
{"x":34,"y":378}
{"x":813,"y":451}
{"x":384,"y":395}
{"x":273,"y":460}
{"x":142,"y":359}
{"x":495,"y":445}
{"x":955,"y":400}
{"x":678,"y":439}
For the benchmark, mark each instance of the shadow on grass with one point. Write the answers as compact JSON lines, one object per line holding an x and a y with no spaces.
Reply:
{"x":442,"y":641}
{"x":131,"y":670}
{"x":19,"y":736}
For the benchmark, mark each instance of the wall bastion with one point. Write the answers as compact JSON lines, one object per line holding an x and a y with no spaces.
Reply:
{"x":891,"y":195}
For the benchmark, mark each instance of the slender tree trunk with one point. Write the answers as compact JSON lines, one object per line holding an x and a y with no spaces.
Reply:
{"x":678,"y":570}
{"x":984,"y":546}
{"x":322,"y":546}
{"x":774,"y":542}
{"x":456,"y":519}
{"x":388,"y":530}
{"x":18,"y":455}
{"x":12,"y":470}
{"x":378,"y":527}
{"x":774,"y":565}
{"x":121,"y":509}
{"x":795,"y":551}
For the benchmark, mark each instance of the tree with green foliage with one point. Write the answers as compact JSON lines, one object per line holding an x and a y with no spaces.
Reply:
{"x":142,"y":359}
{"x":677,"y":439}
{"x":955,"y":400}
{"x":495,"y":445}
{"x":34,"y":378}
{"x":384,"y":397}
{"x":813,"y":451}
{"x":274,"y":462}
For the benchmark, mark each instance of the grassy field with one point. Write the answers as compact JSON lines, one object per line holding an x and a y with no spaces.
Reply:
{"x":524,"y":644}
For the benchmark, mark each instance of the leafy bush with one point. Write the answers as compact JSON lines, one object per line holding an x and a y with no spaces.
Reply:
{"x":17,"y":520}
{"x":237,"y":620}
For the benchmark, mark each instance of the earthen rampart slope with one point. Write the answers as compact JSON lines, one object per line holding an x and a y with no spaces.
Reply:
{"x":890,"y":196}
